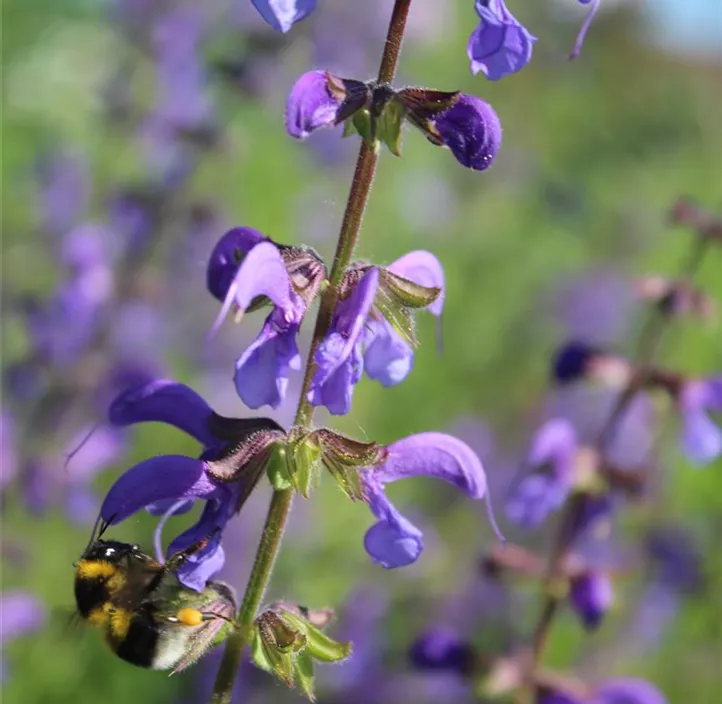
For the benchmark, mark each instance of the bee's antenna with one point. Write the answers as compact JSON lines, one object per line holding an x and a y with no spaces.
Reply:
{"x":98,"y":522}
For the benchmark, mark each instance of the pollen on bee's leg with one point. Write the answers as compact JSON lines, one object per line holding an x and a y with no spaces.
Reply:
{"x":190,"y":617}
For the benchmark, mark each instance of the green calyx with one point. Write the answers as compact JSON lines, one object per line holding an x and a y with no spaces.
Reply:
{"x":286,"y":644}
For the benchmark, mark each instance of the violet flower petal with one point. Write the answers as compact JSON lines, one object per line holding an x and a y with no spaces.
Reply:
{"x":164,"y":401}
{"x":500,"y":45}
{"x":471,"y":130}
{"x":198,"y":568}
{"x":394,"y":541}
{"x":701,"y":438}
{"x":261,"y":273}
{"x":283,"y":14}
{"x":339,"y":361}
{"x":224,"y":260}
{"x":262,"y":371}
{"x":159,"y":478}
{"x":387,"y":358}
{"x":310,"y":105}
{"x":424,"y":269}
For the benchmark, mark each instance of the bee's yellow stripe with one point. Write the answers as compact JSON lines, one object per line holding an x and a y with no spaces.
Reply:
{"x":94,"y":569}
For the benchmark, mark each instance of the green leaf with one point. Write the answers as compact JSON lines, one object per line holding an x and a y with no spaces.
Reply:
{"x":303,"y":456}
{"x":408,"y":293}
{"x":318,"y":644}
{"x":303,"y":674}
{"x":364,"y":125}
{"x":389,"y":124}
{"x":277,"y":469}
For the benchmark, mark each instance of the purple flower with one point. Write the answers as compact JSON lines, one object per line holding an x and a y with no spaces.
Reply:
{"x":627,"y":691}
{"x":319,"y":99}
{"x":591,"y":595}
{"x":393,"y":541}
{"x":339,"y":360}
{"x":471,"y":130}
{"x":283,"y":14}
{"x":170,"y":483}
{"x":246,"y":268}
{"x":593,"y":7}
{"x":65,"y":191}
{"x":20,"y":613}
{"x":500,"y":45}
{"x":701,"y":437}
{"x":362,"y":336}
{"x":442,"y":649}
{"x":551,"y":457}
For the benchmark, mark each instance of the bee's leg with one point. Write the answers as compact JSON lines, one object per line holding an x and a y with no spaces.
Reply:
{"x":194,"y":617}
{"x":178,"y":558}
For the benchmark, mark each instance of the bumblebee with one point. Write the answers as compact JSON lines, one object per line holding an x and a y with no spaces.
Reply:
{"x":147,"y":617}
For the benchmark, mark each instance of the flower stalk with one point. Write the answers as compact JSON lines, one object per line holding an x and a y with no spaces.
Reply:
{"x":281,"y":501}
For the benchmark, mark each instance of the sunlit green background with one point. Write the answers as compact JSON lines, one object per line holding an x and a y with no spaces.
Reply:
{"x":594,"y":153}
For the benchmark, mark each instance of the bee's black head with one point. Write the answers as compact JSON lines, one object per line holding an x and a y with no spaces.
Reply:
{"x":111,"y":551}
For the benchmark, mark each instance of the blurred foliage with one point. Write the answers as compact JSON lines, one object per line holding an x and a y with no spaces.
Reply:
{"x":594,"y":153}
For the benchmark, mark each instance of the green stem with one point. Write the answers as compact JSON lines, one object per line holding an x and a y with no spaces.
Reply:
{"x":648,"y":342}
{"x":280,"y":506}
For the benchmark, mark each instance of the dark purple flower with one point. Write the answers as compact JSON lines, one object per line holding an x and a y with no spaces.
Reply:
{"x":283,"y":14}
{"x":551,"y":458}
{"x":20,"y":613}
{"x":593,"y":7}
{"x":701,"y":437}
{"x":246,"y":267}
{"x":627,"y":690}
{"x":572,"y":361}
{"x":548,"y":696}
{"x":500,"y":45}
{"x":393,"y":541}
{"x":471,"y":130}
{"x":170,"y":483}
{"x":442,"y":649}
{"x":590,"y":595}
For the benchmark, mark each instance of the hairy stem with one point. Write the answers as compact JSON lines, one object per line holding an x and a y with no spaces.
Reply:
{"x":280,"y":506}
{"x":648,"y":342}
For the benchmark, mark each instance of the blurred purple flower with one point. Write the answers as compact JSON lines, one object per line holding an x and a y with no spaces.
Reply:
{"x":551,"y":459}
{"x":593,"y":7}
{"x":627,"y":691}
{"x":443,"y":649}
{"x":591,"y":596}
{"x":500,"y":45}
{"x":393,"y":541}
{"x":283,"y":14}
{"x":701,"y":437}
{"x":21,"y":613}
{"x":64,"y":191}
{"x":471,"y":130}
{"x":8,"y":448}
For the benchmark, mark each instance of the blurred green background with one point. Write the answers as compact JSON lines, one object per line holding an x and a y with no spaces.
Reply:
{"x":594,"y":153}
